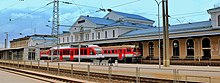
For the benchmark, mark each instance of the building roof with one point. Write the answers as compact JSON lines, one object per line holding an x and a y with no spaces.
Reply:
{"x":196,"y":26}
{"x":99,"y":21}
{"x":133,"y":16}
{"x":32,"y":36}
{"x":129,"y":24}
{"x":43,"y":38}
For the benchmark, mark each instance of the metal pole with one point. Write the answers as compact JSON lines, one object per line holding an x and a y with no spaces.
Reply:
{"x":38,"y":64}
{"x":137,"y":74}
{"x":24,"y":64}
{"x":13,"y":63}
{"x":58,"y":71}
{"x":158,"y":20}
{"x":185,"y":79}
{"x":18,"y":64}
{"x":6,"y":40}
{"x":48,"y":67}
{"x":51,"y":56}
{"x":88,"y":71}
{"x":71,"y":70}
{"x":109,"y":73}
{"x":31,"y":64}
{"x":174,"y":75}
{"x":166,"y":61}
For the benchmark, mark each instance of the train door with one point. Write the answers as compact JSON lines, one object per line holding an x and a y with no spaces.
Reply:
{"x":71,"y":54}
{"x":61,"y":55}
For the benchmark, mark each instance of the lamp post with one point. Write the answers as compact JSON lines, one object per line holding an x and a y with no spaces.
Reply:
{"x":158,"y":20}
{"x":52,"y":50}
{"x":6,"y":40}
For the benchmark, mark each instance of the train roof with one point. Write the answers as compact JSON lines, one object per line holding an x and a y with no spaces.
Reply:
{"x":75,"y":46}
{"x":122,"y":46}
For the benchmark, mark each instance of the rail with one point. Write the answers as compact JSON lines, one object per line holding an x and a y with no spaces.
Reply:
{"x":116,"y":74}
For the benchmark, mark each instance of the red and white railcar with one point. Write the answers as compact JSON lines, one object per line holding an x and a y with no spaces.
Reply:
{"x":120,"y":52}
{"x":71,"y":52}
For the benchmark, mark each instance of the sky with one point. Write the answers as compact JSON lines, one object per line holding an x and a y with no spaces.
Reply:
{"x":31,"y":16}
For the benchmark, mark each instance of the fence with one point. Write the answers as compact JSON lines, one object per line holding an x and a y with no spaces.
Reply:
{"x":113,"y":73}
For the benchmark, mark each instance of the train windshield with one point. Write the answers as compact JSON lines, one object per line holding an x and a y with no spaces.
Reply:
{"x":98,"y":50}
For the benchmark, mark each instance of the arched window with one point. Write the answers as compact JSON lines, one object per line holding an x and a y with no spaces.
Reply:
{"x":206,"y":43}
{"x":190,"y":47}
{"x":218,"y":20}
{"x":206,"y":48}
{"x":175,"y":48}
{"x":151,"y":49}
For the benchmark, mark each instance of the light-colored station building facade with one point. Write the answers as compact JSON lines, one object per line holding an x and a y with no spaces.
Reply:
{"x":197,"y":40}
{"x":28,"y":47}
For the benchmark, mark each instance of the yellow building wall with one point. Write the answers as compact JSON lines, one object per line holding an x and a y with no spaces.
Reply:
{"x":198,"y":52}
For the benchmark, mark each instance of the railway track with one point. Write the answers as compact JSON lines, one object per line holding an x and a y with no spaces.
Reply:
{"x":83,"y":75}
{"x":40,"y":76}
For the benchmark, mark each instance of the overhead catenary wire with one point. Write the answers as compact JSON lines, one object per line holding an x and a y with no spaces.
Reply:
{"x":125,"y":3}
{"x":184,"y":14}
{"x":78,"y":7}
{"x":32,"y":12}
{"x":8,"y":7}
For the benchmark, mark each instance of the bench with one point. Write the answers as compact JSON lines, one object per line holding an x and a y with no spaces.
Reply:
{"x":96,"y":62}
{"x":104,"y":62}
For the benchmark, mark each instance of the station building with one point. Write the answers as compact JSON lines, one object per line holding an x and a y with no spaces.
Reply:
{"x":197,"y":40}
{"x":28,"y":47}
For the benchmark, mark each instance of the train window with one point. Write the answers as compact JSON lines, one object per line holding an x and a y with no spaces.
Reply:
{"x":74,"y":46}
{"x":113,"y":51}
{"x":55,"y":52}
{"x":81,"y":52}
{"x":92,"y":52}
{"x":85,"y":51}
{"x":84,"y":46}
{"x":98,"y":50}
{"x":128,"y":50}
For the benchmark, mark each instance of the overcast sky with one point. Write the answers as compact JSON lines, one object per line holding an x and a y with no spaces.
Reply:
{"x":29,"y":16}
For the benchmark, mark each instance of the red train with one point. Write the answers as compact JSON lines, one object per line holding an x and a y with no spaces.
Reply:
{"x":71,"y":52}
{"x":121,"y":52}
{"x":91,"y":52}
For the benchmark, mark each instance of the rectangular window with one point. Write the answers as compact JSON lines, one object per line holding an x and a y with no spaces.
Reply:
{"x":113,"y":33}
{"x":81,"y":36}
{"x":71,"y":38}
{"x":106,"y":34}
{"x":92,"y":35}
{"x":76,"y":38}
{"x":98,"y":35}
{"x":87,"y":36}
{"x":63,"y":39}
{"x":59,"y":40}
{"x":81,"y":21}
{"x":67,"y":39}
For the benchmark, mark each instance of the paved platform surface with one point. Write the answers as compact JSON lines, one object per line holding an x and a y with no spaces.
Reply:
{"x":193,"y":73}
{"x":6,"y":77}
